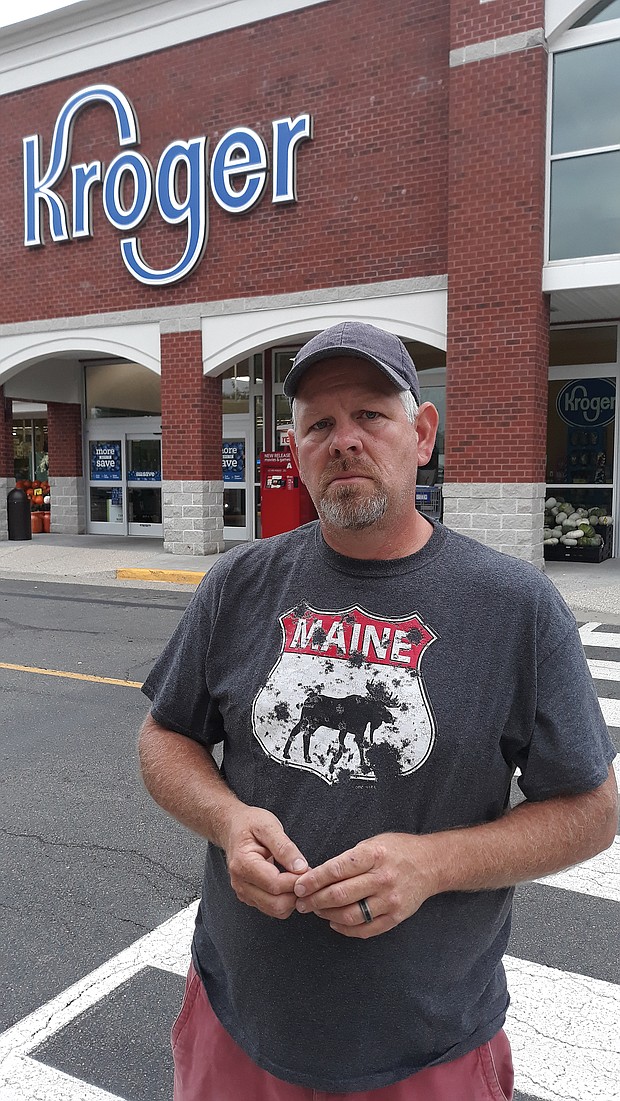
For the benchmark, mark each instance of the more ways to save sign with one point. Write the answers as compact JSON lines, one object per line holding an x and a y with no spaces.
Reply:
{"x":233,"y":461}
{"x":105,"y":461}
{"x":238,"y":176}
{"x":587,"y":402}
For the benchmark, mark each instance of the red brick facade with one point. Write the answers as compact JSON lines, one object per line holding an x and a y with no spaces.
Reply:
{"x":415,"y":169}
{"x":498,"y":326}
{"x":191,"y":412}
{"x":64,"y":439}
{"x":474,"y":21}
{"x":371,"y":183}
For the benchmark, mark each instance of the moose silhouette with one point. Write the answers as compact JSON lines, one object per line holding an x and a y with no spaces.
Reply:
{"x":347,"y":715}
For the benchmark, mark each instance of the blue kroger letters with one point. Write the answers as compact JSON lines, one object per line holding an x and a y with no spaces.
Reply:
{"x":239,"y":170}
{"x":587,"y":402}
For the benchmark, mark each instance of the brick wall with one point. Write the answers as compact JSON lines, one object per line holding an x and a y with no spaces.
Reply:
{"x":7,"y":467}
{"x":64,"y":439}
{"x":191,"y":412}
{"x":497,"y":315}
{"x":371,"y":184}
{"x":475,"y":21}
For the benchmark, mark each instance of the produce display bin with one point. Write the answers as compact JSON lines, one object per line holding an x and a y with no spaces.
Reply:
{"x":562,"y":553}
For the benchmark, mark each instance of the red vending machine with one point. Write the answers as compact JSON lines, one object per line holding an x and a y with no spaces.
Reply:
{"x":285,"y":501}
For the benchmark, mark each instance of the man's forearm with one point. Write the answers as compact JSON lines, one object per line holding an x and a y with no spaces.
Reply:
{"x":183,"y":778}
{"x":533,"y":840}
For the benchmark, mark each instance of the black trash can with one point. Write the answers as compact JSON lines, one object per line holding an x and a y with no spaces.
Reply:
{"x":18,"y":509}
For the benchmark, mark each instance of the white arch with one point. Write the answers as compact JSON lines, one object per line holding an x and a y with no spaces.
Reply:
{"x":137,"y":343}
{"x":228,"y":338}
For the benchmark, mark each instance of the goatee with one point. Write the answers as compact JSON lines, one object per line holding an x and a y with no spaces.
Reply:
{"x":347,"y":506}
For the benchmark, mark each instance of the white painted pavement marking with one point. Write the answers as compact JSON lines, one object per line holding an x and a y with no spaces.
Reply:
{"x":611,"y":711}
{"x":539,"y":994}
{"x":564,"y":1028}
{"x":599,"y":877}
{"x":565,"y":1033}
{"x":166,"y":947}
{"x":604,"y":670}
{"x":29,"y":1080}
{"x":591,"y":637}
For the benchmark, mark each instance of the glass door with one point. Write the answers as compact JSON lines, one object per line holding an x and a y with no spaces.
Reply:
{"x":238,"y":478}
{"x":582,"y":451}
{"x":106,"y":488}
{"x":124,"y":490}
{"x":143,"y":465}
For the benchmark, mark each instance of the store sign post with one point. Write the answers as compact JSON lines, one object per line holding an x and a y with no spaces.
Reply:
{"x":587,"y":402}
{"x":237,"y":176}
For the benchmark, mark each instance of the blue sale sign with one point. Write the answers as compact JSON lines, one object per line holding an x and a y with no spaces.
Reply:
{"x":233,"y":460}
{"x":105,"y":461}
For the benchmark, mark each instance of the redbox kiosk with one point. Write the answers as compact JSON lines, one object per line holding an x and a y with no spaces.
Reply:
{"x":285,"y":501}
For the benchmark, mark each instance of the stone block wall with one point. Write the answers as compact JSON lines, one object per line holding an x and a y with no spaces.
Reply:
{"x":193,"y":517}
{"x":6,"y":485}
{"x":507,"y":516}
{"x":68,"y":506}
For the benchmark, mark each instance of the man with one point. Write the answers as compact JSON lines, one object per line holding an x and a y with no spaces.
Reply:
{"x":375,"y":680}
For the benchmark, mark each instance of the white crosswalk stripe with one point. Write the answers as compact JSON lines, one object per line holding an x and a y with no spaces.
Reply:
{"x":592,"y":636}
{"x":564,"y":1027}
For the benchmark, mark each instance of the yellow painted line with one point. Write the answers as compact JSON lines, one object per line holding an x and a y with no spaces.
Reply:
{"x":175,"y":577}
{"x":71,"y":676}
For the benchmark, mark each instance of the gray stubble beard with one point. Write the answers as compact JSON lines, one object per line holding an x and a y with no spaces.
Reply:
{"x":348,"y":511}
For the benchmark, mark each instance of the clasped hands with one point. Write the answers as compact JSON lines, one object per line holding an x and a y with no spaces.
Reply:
{"x":393,"y":872}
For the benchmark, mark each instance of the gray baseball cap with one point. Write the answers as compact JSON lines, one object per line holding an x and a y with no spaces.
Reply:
{"x":356,"y":338}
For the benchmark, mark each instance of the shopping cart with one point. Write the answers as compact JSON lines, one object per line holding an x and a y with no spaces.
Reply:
{"x":429,"y":501}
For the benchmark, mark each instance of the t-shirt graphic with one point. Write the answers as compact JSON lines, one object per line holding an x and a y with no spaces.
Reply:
{"x":345,"y":691}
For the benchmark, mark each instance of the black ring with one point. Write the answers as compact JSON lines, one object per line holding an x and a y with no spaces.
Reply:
{"x":366,"y":914}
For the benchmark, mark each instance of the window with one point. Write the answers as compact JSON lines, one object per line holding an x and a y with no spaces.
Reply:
{"x":600,"y":13}
{"x":236,"y":388}
{"x":583,"y":344}
{"x":119,"y":389}
{"x":31,"y":460}
{"x":585,"y":152}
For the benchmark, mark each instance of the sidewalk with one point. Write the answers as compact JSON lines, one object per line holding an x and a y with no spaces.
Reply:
{"x":591,"y":590}
{"x":98,"y":560}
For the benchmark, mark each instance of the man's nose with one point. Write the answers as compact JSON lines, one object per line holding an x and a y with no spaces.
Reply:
{"x":344,"y":441}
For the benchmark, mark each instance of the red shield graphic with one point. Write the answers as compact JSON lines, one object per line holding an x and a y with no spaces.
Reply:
{"x":346,"y":694}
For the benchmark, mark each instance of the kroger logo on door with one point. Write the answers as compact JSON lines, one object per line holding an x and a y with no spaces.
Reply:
{"x":587,"y":402}
{"x":178,"y":187}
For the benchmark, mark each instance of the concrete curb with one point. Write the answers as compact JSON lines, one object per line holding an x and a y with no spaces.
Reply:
{"x":173,"y":577}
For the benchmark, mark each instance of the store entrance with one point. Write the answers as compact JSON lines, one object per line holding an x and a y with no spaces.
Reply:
{"x":124,"y":495}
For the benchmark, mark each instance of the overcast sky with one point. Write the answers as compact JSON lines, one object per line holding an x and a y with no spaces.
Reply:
{"x":26,"y":9}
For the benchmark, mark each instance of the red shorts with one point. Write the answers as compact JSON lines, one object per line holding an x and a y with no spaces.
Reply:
{"x":210,"y":1066}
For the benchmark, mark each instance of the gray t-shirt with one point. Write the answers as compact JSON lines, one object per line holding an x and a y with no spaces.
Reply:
{"x":355,"y":697}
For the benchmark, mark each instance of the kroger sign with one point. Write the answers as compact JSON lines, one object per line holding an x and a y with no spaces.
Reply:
{"x":238,"y":176}
{"x":588,"y":402}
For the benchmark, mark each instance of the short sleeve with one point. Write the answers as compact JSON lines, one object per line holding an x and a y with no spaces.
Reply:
{"x":569,"y":750}
{"x":177,"y":684}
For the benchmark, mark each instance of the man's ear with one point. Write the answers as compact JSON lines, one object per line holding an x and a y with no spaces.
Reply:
{"x":292,"y":442}
{"x":426,"y":424}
